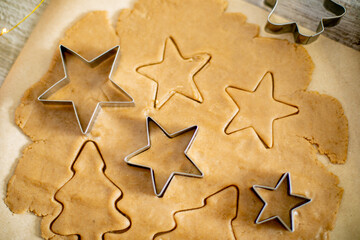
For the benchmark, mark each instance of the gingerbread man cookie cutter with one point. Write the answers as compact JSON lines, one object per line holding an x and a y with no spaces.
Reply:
{"x":293,"y":27}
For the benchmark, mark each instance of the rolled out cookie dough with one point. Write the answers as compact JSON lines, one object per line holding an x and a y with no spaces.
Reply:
{"x":238,"y":58}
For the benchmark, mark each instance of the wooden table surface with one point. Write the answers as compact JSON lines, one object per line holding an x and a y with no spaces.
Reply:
{"x":305,"y":12}
{"x":11,"y":12}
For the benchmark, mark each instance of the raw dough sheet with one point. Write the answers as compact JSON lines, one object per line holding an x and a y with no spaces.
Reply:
{"x":336,"y":74}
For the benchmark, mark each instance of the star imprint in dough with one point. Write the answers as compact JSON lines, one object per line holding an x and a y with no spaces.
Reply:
{"x":165,"y":153}
{"x":279,"y":202}
{"x":258,"y":109}
{"x":86,"y":86}
{"x":175,"y":74}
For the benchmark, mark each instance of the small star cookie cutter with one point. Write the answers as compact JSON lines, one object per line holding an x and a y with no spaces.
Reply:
{"x":299,"y":37}
{"x":172,"y":135}
{"x":65,"y":80}
{"x":290,"y":228}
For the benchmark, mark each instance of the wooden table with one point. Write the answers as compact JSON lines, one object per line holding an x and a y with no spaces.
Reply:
{"x":11,"y":12}
{"x":305,"y":11}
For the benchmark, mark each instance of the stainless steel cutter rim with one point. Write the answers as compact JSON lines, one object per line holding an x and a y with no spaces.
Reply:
{"x":293,"y":27}
{"x":172,"y":135}
{"x":289,"y":191}
{"x":92,"y":63}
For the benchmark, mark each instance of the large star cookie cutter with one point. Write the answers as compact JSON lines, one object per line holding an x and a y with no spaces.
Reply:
{"x":172,"y":135}
{"x":305,"y":201}
{"x":299,"y":37}
{"x":92,"y":63}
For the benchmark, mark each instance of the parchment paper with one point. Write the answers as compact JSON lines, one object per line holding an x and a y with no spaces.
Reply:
{"x":337,"y":71}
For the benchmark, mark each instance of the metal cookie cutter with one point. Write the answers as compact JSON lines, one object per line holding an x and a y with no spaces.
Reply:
{"x":92,"y":63}
{"x":279,"y":28}
{"x":286,"y":176}
{"x":143,"y":149}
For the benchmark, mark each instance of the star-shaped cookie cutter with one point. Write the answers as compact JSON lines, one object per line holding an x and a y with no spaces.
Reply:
{"x":92,"y":63}
{"x":286,"y":176}
{"x":299,"y":37}
{"x":172,"y":135}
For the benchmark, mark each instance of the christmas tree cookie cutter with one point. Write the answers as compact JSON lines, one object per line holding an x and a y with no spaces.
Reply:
{"x":293,"y":27}
{"x":92,"y":63}
{"x":172,"y":135}
{"x":286,"y":176}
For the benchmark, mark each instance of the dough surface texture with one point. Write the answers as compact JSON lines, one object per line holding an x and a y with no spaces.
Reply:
{"x":214,"y":52}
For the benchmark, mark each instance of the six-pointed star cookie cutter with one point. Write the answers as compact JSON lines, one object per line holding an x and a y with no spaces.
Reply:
{"x":172,"y":135}
{"x":92,"y":63}
{"x":291,"y":228}
{"x":299,"y":37}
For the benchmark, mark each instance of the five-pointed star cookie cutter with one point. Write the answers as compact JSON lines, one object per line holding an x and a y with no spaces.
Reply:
{"x":299,"y":37}
{"x":290,"y":228}
{"x":92,"y":63}
{"x":172,"y":135}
